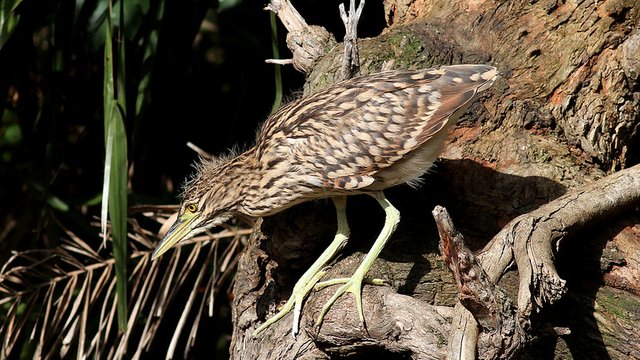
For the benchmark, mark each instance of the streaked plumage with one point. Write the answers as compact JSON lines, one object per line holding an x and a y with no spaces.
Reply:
{"x":361,"y":135}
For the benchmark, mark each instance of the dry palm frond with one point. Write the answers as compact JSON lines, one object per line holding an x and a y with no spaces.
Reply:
{"x":63,"y":300}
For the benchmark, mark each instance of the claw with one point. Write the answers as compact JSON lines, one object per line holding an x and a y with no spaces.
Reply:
{"x":299,"y":293}
{"x":309,"y":279}
{"x":352,"y":285}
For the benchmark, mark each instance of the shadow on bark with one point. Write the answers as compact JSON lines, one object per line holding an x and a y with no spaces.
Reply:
{"x":481,"y":200}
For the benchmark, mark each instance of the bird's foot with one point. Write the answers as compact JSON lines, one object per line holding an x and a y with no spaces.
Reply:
{"x":352,"y":285}
{"x":299,"y":293}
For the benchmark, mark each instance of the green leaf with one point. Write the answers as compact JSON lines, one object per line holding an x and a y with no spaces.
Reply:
{"x":149,"y":42}
{"x":118,"y":208}
{"x":8,"y":19}
{"x":53,"y":201}
{"x":114,"y":194}
{"x":12,"y":134}
{"x":120,"y":65}
{"x":276,"y":55}
{"x":57,"y":203}
{"x":108,"y":91}
{"x":227,"y":4}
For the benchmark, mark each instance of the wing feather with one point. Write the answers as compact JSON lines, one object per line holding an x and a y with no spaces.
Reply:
{"x":344,"y":135}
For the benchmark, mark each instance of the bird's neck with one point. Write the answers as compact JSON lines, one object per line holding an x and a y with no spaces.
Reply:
{"x":259,"y":184}
{"x":237,"y":176}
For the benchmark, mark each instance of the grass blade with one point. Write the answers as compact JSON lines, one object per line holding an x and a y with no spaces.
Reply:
{"x":114,"y":196}
{"x":118,"y":214}
{"x":8,"y":19}
{"x":277,"y":70}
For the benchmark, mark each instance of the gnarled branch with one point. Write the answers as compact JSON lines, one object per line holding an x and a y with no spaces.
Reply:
{"x":529,"y":240}
{"x":306,"y":42}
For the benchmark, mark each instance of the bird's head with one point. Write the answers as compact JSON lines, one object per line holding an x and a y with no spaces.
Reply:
{"x":208,"y":201}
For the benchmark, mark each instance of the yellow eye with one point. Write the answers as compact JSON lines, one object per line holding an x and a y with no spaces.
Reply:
{"x":192,"y":208}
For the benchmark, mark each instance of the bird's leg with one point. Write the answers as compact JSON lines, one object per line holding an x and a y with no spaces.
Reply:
{"x":354,"y":283}
{"x":314,"y":273}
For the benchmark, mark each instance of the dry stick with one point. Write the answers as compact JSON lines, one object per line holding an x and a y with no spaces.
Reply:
{"x":501,"y":333}
{"x":279,"y":61}
{"x":203,"y":154}
{"x":306,"y":42}
{"x":351,"y":59}
{"x":530,"y":238}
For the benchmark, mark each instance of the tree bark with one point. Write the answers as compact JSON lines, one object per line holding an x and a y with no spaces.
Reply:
{"x":563,"y":114}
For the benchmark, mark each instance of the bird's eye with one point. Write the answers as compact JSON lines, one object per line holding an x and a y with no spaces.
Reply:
{"x":192,"y":208}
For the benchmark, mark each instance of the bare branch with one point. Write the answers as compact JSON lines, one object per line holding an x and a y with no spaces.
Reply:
{"x":351,"y":59}
{"x":530,"y":239}
{"x":306,"y":42}
{"x":501,"y":336}
{"x":279,"y":61}
{"x":199,"y":151}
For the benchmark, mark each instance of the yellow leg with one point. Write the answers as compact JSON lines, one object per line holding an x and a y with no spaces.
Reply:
{"x":314,"y":273}
{"x":354,"y":283}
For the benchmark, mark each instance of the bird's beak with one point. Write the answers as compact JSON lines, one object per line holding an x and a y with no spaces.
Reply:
{"x":178,"y":231}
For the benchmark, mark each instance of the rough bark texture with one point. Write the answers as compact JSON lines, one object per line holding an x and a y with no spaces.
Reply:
{"x":502,"y":333}
{"x":564,"y":113}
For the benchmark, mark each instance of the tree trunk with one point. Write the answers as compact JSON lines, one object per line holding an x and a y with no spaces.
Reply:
{"x":564,"y":113}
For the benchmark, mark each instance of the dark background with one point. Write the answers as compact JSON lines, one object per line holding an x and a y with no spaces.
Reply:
{"x":207,"y":83}
{"x":211,"y":87}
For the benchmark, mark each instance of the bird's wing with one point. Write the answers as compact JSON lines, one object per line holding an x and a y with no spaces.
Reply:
{"x":347,"y":133}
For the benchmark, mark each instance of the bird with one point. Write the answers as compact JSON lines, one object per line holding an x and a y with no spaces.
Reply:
{"x":357,"y":136}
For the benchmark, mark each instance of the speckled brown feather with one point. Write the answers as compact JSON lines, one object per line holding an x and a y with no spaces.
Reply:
{"x":359,"y":135}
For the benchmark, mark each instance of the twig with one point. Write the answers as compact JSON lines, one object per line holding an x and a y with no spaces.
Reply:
{"x":279,"y":61}
{"x":199,"y":151}
{"x":351,"y":59}
{"x":306,"y":42}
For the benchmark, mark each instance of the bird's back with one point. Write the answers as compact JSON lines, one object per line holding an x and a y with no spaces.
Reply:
{"x":370,"y":132}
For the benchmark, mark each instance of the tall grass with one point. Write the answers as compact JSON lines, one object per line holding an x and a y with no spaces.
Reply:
{"x":114,"y":190}
{"x":67,"y":293}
